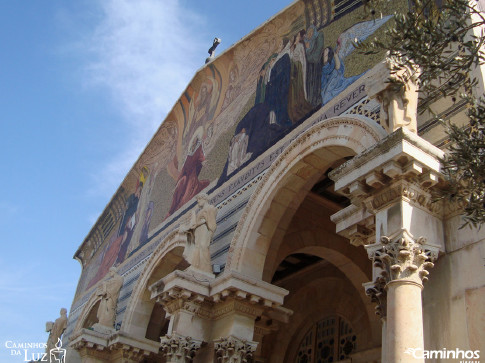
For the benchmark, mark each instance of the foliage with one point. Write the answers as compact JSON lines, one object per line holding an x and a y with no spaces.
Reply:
{"x":439,"y":39}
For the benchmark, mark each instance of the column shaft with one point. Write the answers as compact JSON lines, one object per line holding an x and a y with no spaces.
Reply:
{"x":404,"y":321}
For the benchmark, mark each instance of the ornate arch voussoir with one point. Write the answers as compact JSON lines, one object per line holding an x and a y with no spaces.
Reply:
{"x":88,"y":307}
{"x":357,"y":133}
{"x":173,"y":240}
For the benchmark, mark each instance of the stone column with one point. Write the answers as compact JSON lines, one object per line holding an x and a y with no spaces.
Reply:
{"x":403,"y":263}
{"x":185,"y":298}
{"x":393,"y":214}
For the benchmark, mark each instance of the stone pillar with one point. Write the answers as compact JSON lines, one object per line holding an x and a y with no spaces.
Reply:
{"x":403,"y":263}
{"x":184,"y":296}
{"x":393,"y":214}
{"x":218,"y":311}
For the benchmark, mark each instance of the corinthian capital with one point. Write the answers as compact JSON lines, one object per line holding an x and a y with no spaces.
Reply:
{"x":403,"y":257}
{"x":234,"y":350}
{"x":179,"y":349}
{"x":377,"y":292}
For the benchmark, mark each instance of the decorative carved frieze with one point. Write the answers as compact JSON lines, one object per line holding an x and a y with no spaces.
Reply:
{"x":403,"y":258}
{"x":234,"y":350}
{"x":234,"y":306}
{"x":179,"y":349}
{"x":410,"y":192}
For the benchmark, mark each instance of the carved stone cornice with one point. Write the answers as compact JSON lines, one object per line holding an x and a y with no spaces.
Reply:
{"x":179,"y":349}
{"x":234,"y":350}
{"x":355,"y":223}
{"x":409,"y":191}
{"x":114,"y":344}
{"x":212,"y":299}
{"x":403,"y":258}
{"x":128,"y":352}
{"x":89,"y":339}
{"x":400,"y":168}
{"x":234,"y":306}
{"x":402,"y":154}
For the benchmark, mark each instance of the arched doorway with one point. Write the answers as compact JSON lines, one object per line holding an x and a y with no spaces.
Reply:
{"x":332,"y":318}
{"x":287,"y":227}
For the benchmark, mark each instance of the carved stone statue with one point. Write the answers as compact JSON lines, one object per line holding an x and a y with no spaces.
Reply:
{"x":396,"y":90}
{"x":109,"y":290}
{"x":212,"y":49}
{"x":199,"y":232}
{"x":56,"y":329}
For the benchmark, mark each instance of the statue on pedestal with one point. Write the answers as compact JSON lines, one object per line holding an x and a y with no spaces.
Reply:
{"x":56,"y":329}
{"x":199,"y":232}
{"x":396,"y":89}
{"x":109,"y":290}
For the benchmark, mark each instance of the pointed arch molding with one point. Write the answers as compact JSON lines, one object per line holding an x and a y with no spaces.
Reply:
{"x":171,"y":242}
{"x":305,"y":158}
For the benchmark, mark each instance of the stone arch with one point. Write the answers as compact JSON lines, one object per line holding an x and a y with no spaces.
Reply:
{"x":287,"y":182}
{"x":88,"y":309}
{"x":165,"y":259}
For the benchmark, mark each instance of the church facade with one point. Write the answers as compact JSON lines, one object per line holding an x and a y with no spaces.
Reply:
{"x":284,"y":212}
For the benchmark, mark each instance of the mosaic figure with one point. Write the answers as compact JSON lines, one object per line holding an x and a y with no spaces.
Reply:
{"x":333,"y":78}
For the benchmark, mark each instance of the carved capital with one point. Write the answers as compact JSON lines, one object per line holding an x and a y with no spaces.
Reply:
{"x":377,"y":292}
{"x":179,"y":349}
{"x":178,"y":299}
{"x":234,"y":350}
{"x":403,"y":258}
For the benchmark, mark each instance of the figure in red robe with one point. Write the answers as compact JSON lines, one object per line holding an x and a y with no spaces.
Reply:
{"x":188,"y":183}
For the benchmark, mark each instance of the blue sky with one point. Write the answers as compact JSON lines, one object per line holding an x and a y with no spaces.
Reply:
{"x":83,"y":86}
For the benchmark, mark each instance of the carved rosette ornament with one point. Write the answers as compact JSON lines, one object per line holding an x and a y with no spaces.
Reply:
{"x":403,"y":258}
{"x":179,"y":349}
{"x":234,"y":350}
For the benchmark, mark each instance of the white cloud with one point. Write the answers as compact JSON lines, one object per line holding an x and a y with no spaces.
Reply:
{"x":145,"y":53}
